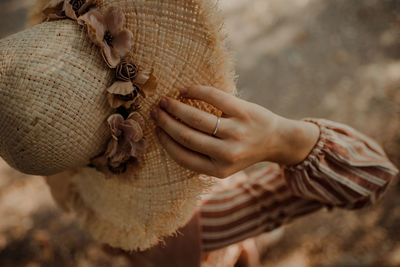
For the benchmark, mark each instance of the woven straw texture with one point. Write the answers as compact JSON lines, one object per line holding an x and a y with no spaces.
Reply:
{"x":53,"y":111}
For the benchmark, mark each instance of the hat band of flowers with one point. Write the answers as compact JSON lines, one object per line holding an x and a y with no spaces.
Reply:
{"x":106,"y":30}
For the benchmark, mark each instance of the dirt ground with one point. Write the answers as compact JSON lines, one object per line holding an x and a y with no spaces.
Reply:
{"x":337,"y":59}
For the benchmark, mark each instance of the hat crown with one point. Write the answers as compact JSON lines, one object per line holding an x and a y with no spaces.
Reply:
{"x":57,"y":95}
{"x":53,"y":108}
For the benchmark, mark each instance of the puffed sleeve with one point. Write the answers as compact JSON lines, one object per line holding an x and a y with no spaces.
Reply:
{"x":249,"y":204}
{"x":344,"y":169}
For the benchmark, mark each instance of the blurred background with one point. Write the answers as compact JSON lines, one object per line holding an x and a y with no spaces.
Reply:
{"x":335,"y":59}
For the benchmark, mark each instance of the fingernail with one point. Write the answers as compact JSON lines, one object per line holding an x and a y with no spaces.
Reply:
{"x":163,"y":102}
{"x":183,"y":91}
{"x":154,"y":114}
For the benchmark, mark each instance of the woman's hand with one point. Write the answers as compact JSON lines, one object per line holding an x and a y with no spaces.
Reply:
{"x":247,"y":133}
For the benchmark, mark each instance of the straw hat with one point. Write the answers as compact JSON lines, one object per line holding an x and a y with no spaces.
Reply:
{"x":59,"y":116}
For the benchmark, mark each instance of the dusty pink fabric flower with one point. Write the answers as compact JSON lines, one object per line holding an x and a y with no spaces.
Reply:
{"x":122,"y":94}
{"x":59,"y":9}
{"x":106,"y":31}
{"x":125,"y":145}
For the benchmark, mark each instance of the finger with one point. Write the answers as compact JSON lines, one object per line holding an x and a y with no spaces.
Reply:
{"x":186,"y":136}
{"x":194,"y":117}
{"x":183,"y":156}
{"x":227,"y":103}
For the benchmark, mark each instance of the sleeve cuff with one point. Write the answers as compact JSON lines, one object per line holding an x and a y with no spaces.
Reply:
{"x":313,"y":157}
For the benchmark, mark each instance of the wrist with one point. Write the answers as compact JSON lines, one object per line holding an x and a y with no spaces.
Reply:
{"x":295,"y":140}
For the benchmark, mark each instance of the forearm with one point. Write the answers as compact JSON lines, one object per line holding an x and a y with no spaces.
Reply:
{"x":344,"y":169}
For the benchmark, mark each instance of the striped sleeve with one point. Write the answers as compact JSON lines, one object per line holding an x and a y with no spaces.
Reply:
{"x":259,"y":204}
{"x":345,"y":169}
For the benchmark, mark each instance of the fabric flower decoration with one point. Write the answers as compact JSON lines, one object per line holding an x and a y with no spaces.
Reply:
{"x":122,"y":94}
{"x":125,"y":145}
{"x":126,"y":71}
{"x":124,"y":91}
{"x":106,"y":30}
{"x":59,"y":9}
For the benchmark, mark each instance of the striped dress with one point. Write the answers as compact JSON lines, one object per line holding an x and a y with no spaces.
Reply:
{"x":345,"y":169}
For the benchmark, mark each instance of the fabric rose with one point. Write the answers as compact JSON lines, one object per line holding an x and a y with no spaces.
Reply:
{"x":59,"y":9}
{"x":126,"y":71}
{"x":126,"y":144}
{"x":106,"y":31}
{"x":129,"y":72}
{"x":125,"y":89}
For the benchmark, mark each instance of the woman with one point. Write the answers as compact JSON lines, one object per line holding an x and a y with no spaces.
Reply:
{"x":317,"y":163}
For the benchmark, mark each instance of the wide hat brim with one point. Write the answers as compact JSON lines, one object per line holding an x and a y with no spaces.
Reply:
{"x":182,"y":42}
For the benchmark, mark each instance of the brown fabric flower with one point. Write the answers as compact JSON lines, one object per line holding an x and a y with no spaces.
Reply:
{"x":106,"y":31}
{"x":59,"y":9}
{"x":122,"y":94}
{"x":125,"y":145}
{"x":126,"y":71}
{"x":148,"y":82}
